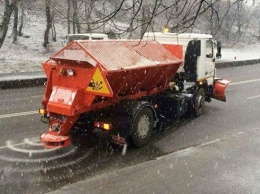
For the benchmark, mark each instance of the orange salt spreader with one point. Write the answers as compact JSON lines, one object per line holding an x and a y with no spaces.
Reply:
{"x":132,"y":76}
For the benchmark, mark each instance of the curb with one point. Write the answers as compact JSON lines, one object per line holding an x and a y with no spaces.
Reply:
{"x":21,"y":83}
{"x":228,"y":64}
{"x":32,"y":79}
{"x":21,"y":80}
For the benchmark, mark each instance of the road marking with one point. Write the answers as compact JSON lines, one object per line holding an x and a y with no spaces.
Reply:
{"x":19,"y":114}
{"x":244,"y":82}
{"x":3,"y":147}
{"x":22,"y":98}
{"x":38,"y":160}
{"x":37,"y":96}
{"x":252,"y":97}
{"x":30,"y":152}
{"x":191,"y":149}
{"x":33,"y":138}
{"x":53,"y":167}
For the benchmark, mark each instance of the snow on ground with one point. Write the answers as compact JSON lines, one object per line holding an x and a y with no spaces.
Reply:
{"x":240,"y":53}
{"x":28,"y":54}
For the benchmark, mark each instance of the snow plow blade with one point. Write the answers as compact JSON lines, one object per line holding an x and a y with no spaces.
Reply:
{"x":219,"y":89}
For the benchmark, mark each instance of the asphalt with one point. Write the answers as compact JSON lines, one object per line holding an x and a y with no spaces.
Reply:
{"x":218,"y":166}
{"x":227,"y":165}
{"x":31,"y":79}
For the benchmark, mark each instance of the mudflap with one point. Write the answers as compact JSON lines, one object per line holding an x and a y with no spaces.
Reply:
{"x":219,"y":89}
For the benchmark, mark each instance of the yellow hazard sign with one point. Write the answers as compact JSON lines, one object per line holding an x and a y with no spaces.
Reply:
{"x":98,"y":84}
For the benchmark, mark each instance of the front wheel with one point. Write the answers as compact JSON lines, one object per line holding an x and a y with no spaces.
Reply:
{"x":142,"y":127}
{"x":199,"y":102}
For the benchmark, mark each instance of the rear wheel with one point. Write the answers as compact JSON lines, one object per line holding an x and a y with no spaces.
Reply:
{"x":142,"y":127}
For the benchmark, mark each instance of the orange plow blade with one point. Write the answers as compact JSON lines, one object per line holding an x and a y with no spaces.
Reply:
{"x":219,"y":89}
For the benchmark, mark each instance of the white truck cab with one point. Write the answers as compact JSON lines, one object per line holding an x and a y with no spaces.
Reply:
{"x":201,"y":45}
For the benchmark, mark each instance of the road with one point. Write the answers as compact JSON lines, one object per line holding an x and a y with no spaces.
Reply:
{"x":27,"y":167}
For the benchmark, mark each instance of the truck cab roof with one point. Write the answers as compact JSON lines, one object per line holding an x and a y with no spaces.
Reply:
{"x":162,"y":35}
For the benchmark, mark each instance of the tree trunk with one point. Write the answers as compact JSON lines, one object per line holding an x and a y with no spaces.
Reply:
{"x":89,"y":6}
{"x":238,"y":17}
{"x":14,"y":32}
{"x":9,"y":7}
{"x":21,"y":19}
{"x":68,"y":15}
{"x":76,"y":24}
{"x":227,"y":22}
{"x":143,"y":22}
{"x":48,"y":25}
{"x":215,"y":19}
{"x":258,"y":38}
{"x":53,"y":29}
{"x":74,"y":16}
{"x":53,"y":33}
{"x":131,"y":27}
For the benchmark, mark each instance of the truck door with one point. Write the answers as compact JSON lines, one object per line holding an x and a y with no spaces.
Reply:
{"x":210,"y":60}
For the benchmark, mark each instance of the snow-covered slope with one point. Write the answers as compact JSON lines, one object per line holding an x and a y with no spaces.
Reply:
{"x":28,"y":53}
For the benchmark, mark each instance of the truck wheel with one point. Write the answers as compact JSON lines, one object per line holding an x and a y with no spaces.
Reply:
{"x":199,"y":102}
{"x":142,"y":127}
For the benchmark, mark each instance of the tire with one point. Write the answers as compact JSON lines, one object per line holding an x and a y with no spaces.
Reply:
{"x":199,"y":102}
{"x":142,"y":127}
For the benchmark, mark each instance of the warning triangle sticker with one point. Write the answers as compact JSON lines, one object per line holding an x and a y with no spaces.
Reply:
{"x":98,"y":84}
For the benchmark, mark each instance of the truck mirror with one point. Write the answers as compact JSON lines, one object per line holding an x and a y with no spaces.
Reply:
{"x":218,"y":54}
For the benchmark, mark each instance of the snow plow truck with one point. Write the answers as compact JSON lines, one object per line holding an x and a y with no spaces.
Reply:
{"x":127,"y":88}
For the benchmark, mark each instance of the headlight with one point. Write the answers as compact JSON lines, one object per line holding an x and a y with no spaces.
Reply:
{"x":70,"y":72}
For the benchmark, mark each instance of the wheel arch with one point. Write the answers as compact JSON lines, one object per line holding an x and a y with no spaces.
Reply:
{"x":132,"y":107}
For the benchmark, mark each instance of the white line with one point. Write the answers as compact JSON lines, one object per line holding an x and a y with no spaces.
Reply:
{"x":22,"y":98}
{"x":37,"y":96}
{"x":19,"y":114}
{"x":58,"y":166}
{"x":30,"y":152}
{"x":244,"y":82}
{"x":189,"y":149}
{"x":36,"y":142}
{"x":23,"y":143}
{"x":39,"y":160}
{"x":3,"y":147}
{"x":252,"y":97}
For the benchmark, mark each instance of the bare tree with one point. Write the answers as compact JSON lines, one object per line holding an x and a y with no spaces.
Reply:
{"x":48,"y":24}
{"x":68,"y":15}
{"x":89,"y":7}
{"x":53,"y":33}
{"x":9,"y":7}
{"x":239,"y":6}
{"x":21,"y":19}
{"x":53,"y":29}
{"x":76,"y":24}
{"x":15,"y":25}
{"x":139,"y":15}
